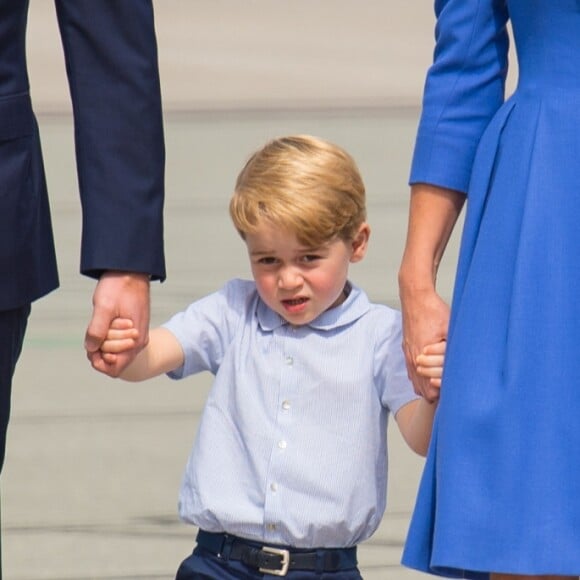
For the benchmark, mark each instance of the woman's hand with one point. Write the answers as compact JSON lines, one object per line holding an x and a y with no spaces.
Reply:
{"x":425,"y":322}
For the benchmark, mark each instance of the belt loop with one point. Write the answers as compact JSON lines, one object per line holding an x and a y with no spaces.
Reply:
{"x":320,"y":561}
{"x":227,"y":546}
{"x":214,"y":542}
{"x":329,"y":560}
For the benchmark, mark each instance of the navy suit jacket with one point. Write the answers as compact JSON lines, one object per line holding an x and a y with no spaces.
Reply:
{"x":111,"y":61}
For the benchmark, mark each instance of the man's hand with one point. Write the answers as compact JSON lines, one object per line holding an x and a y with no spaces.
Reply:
{"x":425,"y":321}
{"x":118,"y":295}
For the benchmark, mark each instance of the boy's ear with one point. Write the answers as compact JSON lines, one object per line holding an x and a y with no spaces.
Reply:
{"x":360,"y":243}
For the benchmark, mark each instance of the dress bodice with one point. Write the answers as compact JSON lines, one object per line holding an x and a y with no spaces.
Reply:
{"x":547,"y":38}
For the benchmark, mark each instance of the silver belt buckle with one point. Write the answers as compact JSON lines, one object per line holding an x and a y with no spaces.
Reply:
{"x":284,"y":554}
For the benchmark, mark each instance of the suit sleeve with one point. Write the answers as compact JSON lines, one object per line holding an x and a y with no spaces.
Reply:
{"x":111,"y":60}
{"x":464,"y":88}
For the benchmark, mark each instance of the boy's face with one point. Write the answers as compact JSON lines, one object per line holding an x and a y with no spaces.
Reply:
{"x":297,"y":282}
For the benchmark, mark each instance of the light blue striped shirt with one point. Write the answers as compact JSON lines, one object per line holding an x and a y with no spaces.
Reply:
{"x":291,"y":447}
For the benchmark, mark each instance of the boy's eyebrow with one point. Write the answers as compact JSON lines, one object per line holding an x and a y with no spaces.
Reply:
{"x":313,"y":249}
{"x":300,"y":250}
{"x":319,"y":248}
{"x":262,"y":252}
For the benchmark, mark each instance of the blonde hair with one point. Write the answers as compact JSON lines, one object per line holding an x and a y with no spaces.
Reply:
{"x":301,"y":184}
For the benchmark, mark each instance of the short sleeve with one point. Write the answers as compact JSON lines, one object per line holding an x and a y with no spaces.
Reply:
{"x":391,"y":377}
{"x":207,"y":327}
{"x":464,"y":88}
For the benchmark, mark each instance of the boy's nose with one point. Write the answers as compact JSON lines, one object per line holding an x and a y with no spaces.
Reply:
{"x":289,"y":278}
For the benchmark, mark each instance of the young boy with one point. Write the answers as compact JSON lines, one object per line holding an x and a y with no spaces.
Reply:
{"x":288,"y":471}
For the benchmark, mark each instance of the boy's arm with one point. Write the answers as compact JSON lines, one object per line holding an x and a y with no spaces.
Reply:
{"x":162,"y":354}
{"x":415,"y":419}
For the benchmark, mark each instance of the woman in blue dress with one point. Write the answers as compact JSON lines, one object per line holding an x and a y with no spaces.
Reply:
{"x":500,"y":494}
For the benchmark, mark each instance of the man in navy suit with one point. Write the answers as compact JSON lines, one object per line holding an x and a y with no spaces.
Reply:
{"x":111,"y":61}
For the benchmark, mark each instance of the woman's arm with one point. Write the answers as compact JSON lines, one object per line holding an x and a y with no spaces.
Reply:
{"x":463,"y":90}
{"x":432,"y":216}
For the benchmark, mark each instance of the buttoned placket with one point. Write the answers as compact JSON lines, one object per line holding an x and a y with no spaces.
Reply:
{"x":274,"y":508}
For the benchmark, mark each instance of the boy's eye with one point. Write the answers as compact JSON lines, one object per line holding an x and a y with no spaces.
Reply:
{"x":310,"y":258}
{"x":267,"y":260}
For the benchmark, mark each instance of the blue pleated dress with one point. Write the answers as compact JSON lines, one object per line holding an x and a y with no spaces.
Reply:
{"x":501,"y":486}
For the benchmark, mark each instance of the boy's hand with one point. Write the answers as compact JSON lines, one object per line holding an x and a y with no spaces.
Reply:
{"x":429,"y":363}
{"x":118,"y":295}
{"x":121,"y":337}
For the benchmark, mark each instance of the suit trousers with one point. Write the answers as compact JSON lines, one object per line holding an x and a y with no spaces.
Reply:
{"x":12,"y":329}
{"x":204,"y":565}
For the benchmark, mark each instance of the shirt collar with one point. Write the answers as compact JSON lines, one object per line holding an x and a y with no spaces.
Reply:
{"x":356,"y":305}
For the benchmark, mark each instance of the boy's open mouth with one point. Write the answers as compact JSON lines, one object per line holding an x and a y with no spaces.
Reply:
{"x":295,"y":301}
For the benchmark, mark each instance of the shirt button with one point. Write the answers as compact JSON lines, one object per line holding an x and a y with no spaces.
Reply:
{"x":271,"y":527}
{"x":289,"y":361}
{"x":285,"y":405}
{"x":282,"y":444}
{"x":274,"y":487}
